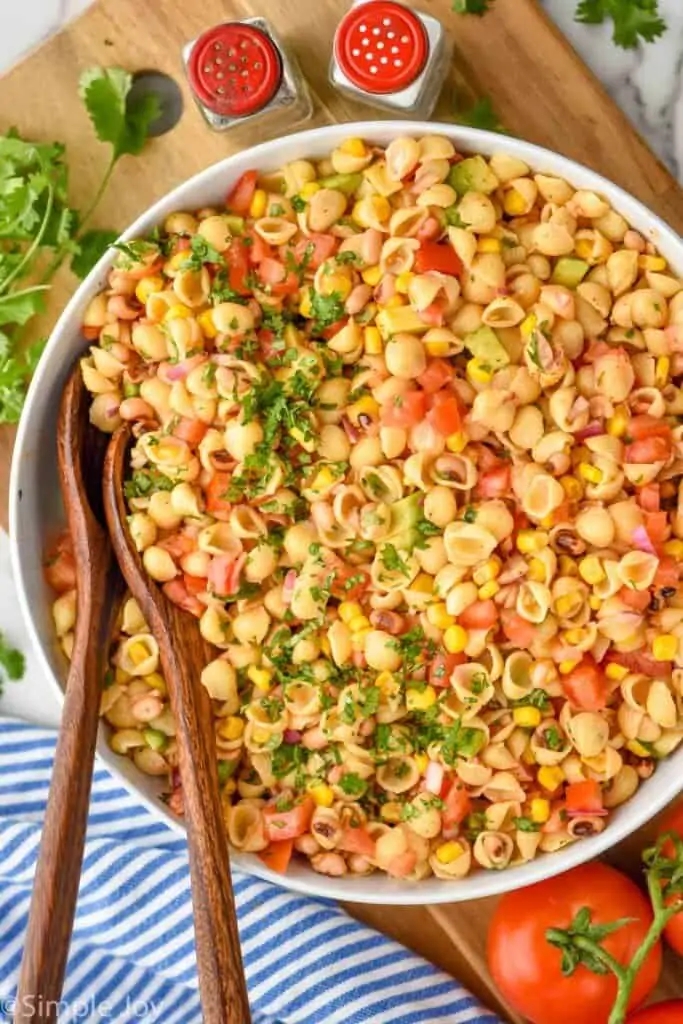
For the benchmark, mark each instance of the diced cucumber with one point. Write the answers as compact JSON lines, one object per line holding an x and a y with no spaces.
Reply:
{"x":569,"y":271}
{"x":472,"y":175}
{"x":485,"y":346}
{"x":346,"y":183}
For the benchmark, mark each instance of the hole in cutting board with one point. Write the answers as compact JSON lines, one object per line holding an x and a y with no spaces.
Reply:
{"x":167,"y":91}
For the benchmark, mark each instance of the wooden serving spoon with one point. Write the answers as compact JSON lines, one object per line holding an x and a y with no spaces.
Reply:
{"x":80,"y":450}
{"x":183,"y":654}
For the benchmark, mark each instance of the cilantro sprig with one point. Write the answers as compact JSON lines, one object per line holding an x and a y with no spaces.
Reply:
{"x":12,"y":661}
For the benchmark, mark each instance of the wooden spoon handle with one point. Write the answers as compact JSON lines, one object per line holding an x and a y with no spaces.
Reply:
{"x":183,"y":654}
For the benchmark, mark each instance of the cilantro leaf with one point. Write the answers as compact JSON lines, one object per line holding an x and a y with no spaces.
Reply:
{"x":633,"y":20}
{"x":15,"y":373}
{"x":19,"y":307}
{"x":481,"y":115}
{"x":90,"y":248}
{"x":392,"y":561}
{"x":326,"y":310}
{"x":11,"y":660}
{"x":201,"y":252}
{"x":118,"y":118}
{"x":352,"y":784}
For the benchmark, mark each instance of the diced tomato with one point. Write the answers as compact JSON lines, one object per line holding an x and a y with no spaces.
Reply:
{"x":315,"y":249}
{"x":667,"y":574}
{"x":438,"y":374}
{"x":402,"y":864}
{"x":189,"y":430}
{"x":641,"y":662}
{"x":584,"y":797}
{"x":238,"y":266}
{"x":178,"y":544}
{"x":439,"y":256}
{"x":257,"y":248}
{"x":648,"y":497}
{"x":290,"y":823}
{"x":519,"y":631}
{"x":176,"y":592}
{"x":433,"y":314}
{"x":650,"y":449}
{"x":445,"y":415}
{"x":586,"y":685}
{"x":657,"y":526}
{"x":194,"y":584}
{"x":278,"y":855}
{"x":636,"y":599}
{"x":90,"y":333}
{"x":642,"y":427}
{"x":274,"y":274}
{"x":557,"y":822}
{"x":357,"y":840}
{"x":241,"y":194}
{"x":60,"y":566}
{"x":349,"y":582}
{"x":494,"y":483}
{"x":457,"y":805}
{"x":216,"y":493}
{"x":479,"y":615}
{"x":441,"y":668}
{"x":404,"y":410}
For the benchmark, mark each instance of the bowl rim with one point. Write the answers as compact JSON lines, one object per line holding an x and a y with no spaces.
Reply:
{"x":371,"y":889}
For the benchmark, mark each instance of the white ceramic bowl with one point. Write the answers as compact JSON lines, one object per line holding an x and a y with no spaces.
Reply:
{"x":36,"y":508}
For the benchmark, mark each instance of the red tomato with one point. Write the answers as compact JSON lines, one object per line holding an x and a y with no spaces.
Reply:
{"x":194,"y":584}
{"x":278,"y":855}
{"x":281,"y":282}
{"x":404,"y":410}
{"x":60,"y":568}
{"x":479,"y":615}
{"x":527,"y":968}
{"x":90,"y":333}
{"x":323,"y":246}
{"x":445,"y":415}
{"x":495,"y":483}
{"x":648,"y":497}
{"x":657,"y":526}
{"x":349,"y":582}
{"x":439,"y":256}
{"x":586,"y":686}
{"x":584,"y":797}
{"x":178,"y":544}
{"x":402,"y":864}
{"x":176,"y":591}
{"x":667,"y":574}
{"x":670,"y":1012}
{"x":433,"y":314}
{"x":290,"y":823}
{"x":241,"y":194}
{"x":189,"y":430}
{"x":650,"y":449}
{"x":216,"y":493}
{"x":441,"y":668}
{"x":257,"y":248}
{"x":357,"y":840}
{"x":238,"y":266}
{"x":642,"y":427}
{"x":636,"y":599}
{"x":457,"y":805}
{"x":436,"y":376}
{"x":673,"y":822}
{"x":641,"y":662}
{"x":519,"y":631}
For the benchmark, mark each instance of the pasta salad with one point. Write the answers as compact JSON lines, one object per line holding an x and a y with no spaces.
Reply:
{"x":408,"y":446}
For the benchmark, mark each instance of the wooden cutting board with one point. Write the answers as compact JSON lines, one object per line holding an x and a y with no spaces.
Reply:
{"x":540,"y":90}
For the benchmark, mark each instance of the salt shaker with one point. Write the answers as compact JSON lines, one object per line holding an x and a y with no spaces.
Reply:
{"x":390,"y":56}
{"x":242,"y":77}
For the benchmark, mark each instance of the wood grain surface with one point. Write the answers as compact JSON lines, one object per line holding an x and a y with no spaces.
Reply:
{"x":540,"y":90}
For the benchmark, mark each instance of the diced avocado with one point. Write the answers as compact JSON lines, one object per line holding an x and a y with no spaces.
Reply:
{"x":155,"y":739}
{"x":569,"y":271}
{"x":234,"y":223}
{"x":485,"y":346}
{"x":472,"y":175}
{"x":405,"y":515}
{"x":346,"y":183}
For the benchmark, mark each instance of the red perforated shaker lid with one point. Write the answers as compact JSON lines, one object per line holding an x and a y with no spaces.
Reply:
{"x":234,"y":69}
{"x":381,"y":46}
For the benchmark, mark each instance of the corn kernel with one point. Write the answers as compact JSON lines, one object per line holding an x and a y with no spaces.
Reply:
{"x":590,"y":473}
{"x":260,"y":677}
{"x":349,"y":610}
{"x":455,"y":639}
{"x":531,"y":541}
{"x":528,"y":718}
{"x":655,"y":263}
{"x":438,"y":616}
{"x":323,"y":479}
{"x":490,"y":570}
{"x":422,"y":762}
{"x":572,"y":488}
{"x":305,"y":308}
{"x":550,"y":777}
{"x":259,"y":201}
{"x":637,"y":748}
{"x":205,"y":321}
{"x":566,"y":566}
{"x":665,"y":647}
{"x":138,"y":653}
{"x":322,"y":794}
{"x":514,"y":203}
{"x":448,"y":852}
{"x":177,"y":312}
{"x":662,"y":367}
{"x":354,"y":147}
{"x":232,"y":728}
{"x":309,"y":189}
{"x":537,"y":571}
{"x":261,"y":736}
{"x":420,"y":700}
{"x":591,"y":570}
{"x":456,"y":442}
{"x":528,"y":755}
{"x":325,"y":646}
{"x":674,"y":548}
{"x":568,"y":604}
{"x":616,"y":672}
{"x":595,"y":602}
{"x":148,"y":286}
{"x":617,"y":423}
{"x":359,"y":622}
{"x":488,"y":590}
{"x":437,"y":348}
{"x":386,"y":682}
{"x":157,"y":682}
{"x":372,"y":341}
{"x":391,"y":811}
{"x":373,"y":208}
{"x":423,"y":584}
{"x":402,"y":282}
{"x":566,"y":667}
{"x":539,"y":810}
{"x":488,"y":244}
{"x":371,"y":276}
{"x":584,"y":249}
{"x":574,"y":637}
{"x":528,"y":325}
{"x":478,"y":371}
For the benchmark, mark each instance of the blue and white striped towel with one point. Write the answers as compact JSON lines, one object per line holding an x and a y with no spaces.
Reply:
{"x":132,"y":955}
